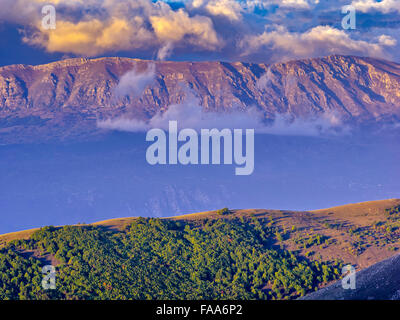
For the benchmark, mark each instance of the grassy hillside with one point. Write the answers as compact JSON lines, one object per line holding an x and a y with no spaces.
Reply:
{"x":225,"y":254}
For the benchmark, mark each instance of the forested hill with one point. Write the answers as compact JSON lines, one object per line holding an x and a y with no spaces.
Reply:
{"x":223,"y":254}
{"x":161,"y":259}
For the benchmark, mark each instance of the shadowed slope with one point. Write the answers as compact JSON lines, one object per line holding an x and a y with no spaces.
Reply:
{"x":380,"y":281}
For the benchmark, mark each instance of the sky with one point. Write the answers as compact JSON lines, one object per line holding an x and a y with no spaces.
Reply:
{"x":230,"y":30}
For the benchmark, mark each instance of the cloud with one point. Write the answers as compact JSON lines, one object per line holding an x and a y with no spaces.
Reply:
{"x":165,"y":51}
{"x":191,"y":115}
{"x":386,"y":40}
{"x":173,"y":26}
{"x":134,"y":82}
{"x":249,"y":30}
{"x":123,"y":124}
{"x":265,"y":80}
{"x":322,"y":124}
{"x":230,"y":9}
{"x":127,"y":25}
{"x":319,"y":41}
{"x":384,"y":6}
{"x":295,"y":3}
{"x":19,"y":12}
{"x":93,"y":37}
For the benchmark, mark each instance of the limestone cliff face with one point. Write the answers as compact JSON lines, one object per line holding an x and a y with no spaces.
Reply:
{"x":356,"y":89}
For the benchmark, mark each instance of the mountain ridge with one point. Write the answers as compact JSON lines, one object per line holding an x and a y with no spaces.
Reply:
{"x":67,"y":97}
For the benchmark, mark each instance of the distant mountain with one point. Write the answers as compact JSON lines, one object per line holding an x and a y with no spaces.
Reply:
{"x":67,"y":97}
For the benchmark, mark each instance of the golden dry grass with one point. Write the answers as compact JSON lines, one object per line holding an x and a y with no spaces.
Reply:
{"x":23,"y":235}
{"x":115,"y":224}
{"x":363,"y":213}
{"x":358,"y":215}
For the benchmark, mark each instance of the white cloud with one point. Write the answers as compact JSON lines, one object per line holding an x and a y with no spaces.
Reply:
{"x":123,"y":124}
{"x":318,"y":41}
{"x":295,"y":3}
{"x":384,"y":6}
{"x":165,"y":51}
{"x":191,"y":115}
{"x":227,"y":8}
{"x":134,"y":82}
{"x":173,"y":26}
{"x":386,"y":40}
{"x":322,"y":124}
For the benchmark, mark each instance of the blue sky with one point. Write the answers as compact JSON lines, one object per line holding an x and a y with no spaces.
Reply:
{"x":247,"y":30}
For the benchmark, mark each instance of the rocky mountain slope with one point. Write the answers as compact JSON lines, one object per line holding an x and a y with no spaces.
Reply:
{"x":72,"y":94}
{"x":378,"y":282}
